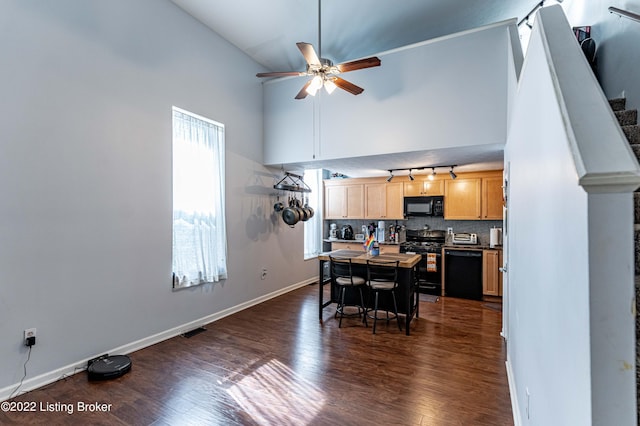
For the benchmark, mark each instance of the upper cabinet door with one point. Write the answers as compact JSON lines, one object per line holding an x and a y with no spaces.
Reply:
{"x":492,"y":198}
{"x":344,"y":201}
{"x":384,"y":200}
{"x":395,"y":201}
{"x":425,"y":187}
{"x":335,"y":202}
{"x":354,"y":201}
{"x":375,"y":196}
{"x":462,"y":199}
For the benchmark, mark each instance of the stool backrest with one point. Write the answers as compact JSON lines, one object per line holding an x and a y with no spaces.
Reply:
{"x":341,"y":268}
{"x":382,"y":270}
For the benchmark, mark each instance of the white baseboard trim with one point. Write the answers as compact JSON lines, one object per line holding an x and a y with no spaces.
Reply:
{"x":81,"y":365}
{"x":515,"y":408}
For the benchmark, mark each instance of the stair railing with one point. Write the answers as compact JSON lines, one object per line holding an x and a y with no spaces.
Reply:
{"x":625,"y":13}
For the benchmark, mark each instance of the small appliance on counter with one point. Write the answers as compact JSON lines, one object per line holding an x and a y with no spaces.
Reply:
{"x":347,"y":232}
{"x":495,"y":237}
{"x":392,"y":233}
{"x":380,"y":231}
{"x":333,"y":232}
{"x":465,"y":238}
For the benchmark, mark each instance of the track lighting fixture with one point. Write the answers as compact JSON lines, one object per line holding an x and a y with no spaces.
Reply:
{"x":453,"y":175}
{"x":431,"y":176}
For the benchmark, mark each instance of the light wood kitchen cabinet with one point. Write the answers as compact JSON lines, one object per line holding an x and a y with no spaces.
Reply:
{"x":420,"y":187}
{"x":463,"y":198}
{"x":355,"y":245}
{"x":491,"y":275}
{"x":384,"y":200}
{"x":389,"y":248}
{"x":492,"y":198}
{"x":344,"y":201}
{"x":478,"y":196}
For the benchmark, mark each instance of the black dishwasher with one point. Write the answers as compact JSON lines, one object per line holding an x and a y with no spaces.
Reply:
{"x":463,"y":274}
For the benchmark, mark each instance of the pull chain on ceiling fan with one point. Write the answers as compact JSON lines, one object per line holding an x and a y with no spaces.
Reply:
{"x":322,"y":70}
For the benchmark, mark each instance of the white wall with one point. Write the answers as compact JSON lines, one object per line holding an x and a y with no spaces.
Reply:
{"x":618,"y":44}
{"x":85,"y":180}
{"x":570,"y":332}
{"x":447,"y":92}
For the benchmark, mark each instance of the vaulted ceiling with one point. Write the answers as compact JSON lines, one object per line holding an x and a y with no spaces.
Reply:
{"x":267,"y":31}
{"x":351,"y":29}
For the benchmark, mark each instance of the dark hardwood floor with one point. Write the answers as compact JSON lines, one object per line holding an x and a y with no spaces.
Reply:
{"x":275,"y":364}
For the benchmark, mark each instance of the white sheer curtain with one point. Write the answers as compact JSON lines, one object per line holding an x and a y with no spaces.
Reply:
{"x":199,"y":233}
{"x":313,"y":227}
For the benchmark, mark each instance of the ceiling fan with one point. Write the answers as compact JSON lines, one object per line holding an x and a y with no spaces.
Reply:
{"x":322,"y":70}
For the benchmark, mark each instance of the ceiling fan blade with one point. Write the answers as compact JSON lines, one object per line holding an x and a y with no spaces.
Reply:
{"x":303,"y":92}
{"x":280,"y":74}
{"x":349,"y":87}
{"x":373,"y":61}
{"x":309,"y":53}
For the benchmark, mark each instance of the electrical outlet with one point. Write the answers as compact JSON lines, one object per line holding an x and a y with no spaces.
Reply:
{"x":450,"y":231}
{"x":30,"y":336}
{"x":264,"y":274}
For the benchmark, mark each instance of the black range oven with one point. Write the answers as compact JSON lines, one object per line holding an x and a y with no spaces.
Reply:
{"x":428,"y":244}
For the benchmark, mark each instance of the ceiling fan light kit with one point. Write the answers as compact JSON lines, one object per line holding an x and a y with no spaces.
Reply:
{"x":329,"y":86}
{"x":322,"y":70}
{"x":314,"y":85}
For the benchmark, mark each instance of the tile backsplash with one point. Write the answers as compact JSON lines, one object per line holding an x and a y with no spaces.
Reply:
{"x":480,"y":227}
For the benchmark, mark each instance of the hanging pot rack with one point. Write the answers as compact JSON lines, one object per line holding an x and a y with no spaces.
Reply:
{"x":292,"y":182}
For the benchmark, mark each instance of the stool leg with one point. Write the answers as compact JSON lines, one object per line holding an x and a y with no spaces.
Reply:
{"x":342,"y":290}
{"x":375,"y":313}
{"x":364,"y":309}
{"x":395,"y":307}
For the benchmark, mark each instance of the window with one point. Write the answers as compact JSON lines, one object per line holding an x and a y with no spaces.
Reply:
{"x":313,"y":227}
{"x":199,"y":232}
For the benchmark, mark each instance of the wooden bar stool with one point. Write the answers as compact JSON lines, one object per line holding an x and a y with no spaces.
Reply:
{"x":382,"y":276}
{"x":342,"y":276}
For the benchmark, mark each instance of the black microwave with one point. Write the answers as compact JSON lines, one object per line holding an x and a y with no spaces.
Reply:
{"x":424,"y":206}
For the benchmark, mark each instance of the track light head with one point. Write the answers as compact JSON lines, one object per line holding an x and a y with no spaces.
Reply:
{"x":390,"y":176}
{"x":453,"y":175}
{"x":432,"y":176}
{"x":410,"y":176}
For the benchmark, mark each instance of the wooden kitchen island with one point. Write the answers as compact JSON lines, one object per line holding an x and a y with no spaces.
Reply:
{"x":406,"y":293}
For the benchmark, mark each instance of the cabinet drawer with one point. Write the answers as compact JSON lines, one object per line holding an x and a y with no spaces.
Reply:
{"x":389,"y":248}
{"x":348,"y":246}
